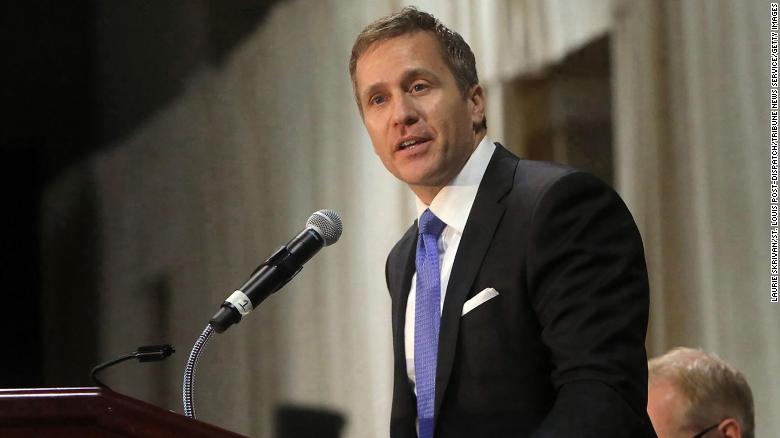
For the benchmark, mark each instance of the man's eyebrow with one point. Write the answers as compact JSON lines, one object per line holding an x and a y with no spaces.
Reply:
{"x":417,"y":72}
{"x":406,"y":77}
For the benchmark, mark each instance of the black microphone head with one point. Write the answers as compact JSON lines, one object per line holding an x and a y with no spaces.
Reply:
{"x":327,"y":224}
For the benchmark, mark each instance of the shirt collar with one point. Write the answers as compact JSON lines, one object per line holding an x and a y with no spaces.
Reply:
{"x":453,"y":202}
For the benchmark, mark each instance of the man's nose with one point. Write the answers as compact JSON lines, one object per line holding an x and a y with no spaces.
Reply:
{"x":404,"y":111}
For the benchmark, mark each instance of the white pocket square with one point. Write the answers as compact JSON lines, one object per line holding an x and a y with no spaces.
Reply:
{"x":478,"y":299}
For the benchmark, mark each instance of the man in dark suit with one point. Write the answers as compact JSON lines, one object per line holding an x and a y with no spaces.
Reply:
{"x":519,"y":303}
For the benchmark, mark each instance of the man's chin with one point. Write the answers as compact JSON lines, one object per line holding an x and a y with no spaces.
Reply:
{"x":419,"y":175}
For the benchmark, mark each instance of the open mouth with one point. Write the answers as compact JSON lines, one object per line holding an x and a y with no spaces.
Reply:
{"x":409,"y":145}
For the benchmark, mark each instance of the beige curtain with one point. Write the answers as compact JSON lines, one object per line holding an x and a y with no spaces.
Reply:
{"x":212,"y":184}
{"x":518,"y":37}
{"x":691,"y":87}
{"x":194,"y":199}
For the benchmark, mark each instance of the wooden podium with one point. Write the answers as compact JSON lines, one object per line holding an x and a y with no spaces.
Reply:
{"x":92,"y":412}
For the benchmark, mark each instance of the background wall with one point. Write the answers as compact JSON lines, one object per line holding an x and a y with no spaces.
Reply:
{"x":212,"y":143}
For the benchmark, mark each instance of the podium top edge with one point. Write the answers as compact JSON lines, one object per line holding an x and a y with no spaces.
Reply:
{"x":38,"y":392}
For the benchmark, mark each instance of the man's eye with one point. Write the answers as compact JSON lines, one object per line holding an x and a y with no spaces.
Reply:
{"x":419,"y":87}
{"x":377,"y":100}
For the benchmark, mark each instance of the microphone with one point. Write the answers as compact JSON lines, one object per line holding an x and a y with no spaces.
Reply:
{"x":322,"y":229}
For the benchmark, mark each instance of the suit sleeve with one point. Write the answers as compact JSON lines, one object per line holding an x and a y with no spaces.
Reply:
{"x":588,"y":283}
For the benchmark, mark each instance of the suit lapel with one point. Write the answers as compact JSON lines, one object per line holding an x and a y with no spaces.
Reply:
{"x":485,"y":215}
{"x":407,"y":246}
{"x":400,"y":282}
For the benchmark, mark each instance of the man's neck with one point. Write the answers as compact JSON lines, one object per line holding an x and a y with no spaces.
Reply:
{"x":427,"y":193}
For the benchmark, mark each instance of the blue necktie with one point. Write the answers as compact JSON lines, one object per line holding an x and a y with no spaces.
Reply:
{"x":426,"y":318}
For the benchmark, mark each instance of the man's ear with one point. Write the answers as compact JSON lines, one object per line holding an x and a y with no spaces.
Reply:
{"x":476,"y":98}
{"x":730,"y":428}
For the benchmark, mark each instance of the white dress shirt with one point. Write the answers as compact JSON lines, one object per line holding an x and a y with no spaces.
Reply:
{"x":452,"y":205}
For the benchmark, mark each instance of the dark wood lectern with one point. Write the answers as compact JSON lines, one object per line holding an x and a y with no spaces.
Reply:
{"x":92,"y":412}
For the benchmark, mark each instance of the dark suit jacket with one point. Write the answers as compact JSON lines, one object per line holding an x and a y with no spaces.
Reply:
{"x":560,"y":352}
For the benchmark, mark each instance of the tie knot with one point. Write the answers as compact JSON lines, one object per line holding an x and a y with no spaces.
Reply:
{"x":430,"y":224}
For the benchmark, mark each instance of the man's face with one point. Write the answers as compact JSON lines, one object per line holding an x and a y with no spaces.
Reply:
{"x":420,"y":123}
{"x":666,"y":408}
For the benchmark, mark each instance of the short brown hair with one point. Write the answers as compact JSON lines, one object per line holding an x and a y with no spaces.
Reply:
{"x":713,"y":389}
{"x":455,"y":51}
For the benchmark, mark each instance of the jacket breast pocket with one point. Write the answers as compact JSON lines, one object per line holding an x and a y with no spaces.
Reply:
{"x":483,"y":339}
{"x":487,"y":363}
